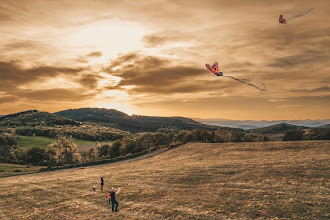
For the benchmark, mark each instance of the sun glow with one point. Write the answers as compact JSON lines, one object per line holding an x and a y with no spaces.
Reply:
{"x":111,"y":37}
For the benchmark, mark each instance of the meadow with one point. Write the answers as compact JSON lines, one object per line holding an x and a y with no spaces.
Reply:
{"x":27,"y":142}
{"x":16,"y":169}
{"x":263,"y":180}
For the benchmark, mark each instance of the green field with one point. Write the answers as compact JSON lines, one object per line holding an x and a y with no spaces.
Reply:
{"x":28,"y":142}
{"x":258,"y":180}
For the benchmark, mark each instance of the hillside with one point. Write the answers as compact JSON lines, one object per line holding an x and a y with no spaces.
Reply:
{"x":282,"y":180}
{"x":34,"y":118}
{"x":325,"y":126}
{"x":135,"y":123}
{"x":277,"y":129}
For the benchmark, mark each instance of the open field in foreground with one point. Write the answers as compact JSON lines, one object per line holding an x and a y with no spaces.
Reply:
{"x":194,"y":181}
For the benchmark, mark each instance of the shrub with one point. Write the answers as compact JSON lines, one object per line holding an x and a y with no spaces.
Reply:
{"x":293,"y":135}
{"x":35,"y":155}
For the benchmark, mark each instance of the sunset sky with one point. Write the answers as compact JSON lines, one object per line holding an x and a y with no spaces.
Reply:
{"x":148,"y":57}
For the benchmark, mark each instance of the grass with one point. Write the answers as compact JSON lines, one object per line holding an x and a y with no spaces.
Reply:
{"x":28,"y":142}
{"x":269,"y":180}
{"x":15,"y":169}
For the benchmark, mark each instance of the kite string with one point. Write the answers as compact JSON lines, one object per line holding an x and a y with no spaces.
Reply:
{"x":300,"y":14}
{"x":247,"y":81}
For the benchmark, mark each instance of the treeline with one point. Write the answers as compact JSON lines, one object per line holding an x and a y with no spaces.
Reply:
{"x":84,"y":132}
{"x":312,"y":134}
{"x":65,"y":151}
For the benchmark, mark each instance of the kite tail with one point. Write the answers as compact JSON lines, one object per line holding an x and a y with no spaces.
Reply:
{"x":300,"y":15}
{"x":246,"y":81}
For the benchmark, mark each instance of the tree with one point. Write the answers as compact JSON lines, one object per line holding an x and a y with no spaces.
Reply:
{"x":93,"y":154}
{"x":188,"y":137}
{"x":128,"y":145}
{"x":6,"y":143}
{"x":17,"y":155}
{"x":65,"y":151}
{"x":114,"y":149}
{"x":293,"y":135}
{"x":237,"y":137}
{"x":4,"y":149}
{"x":35,"y":155}
{"x":104,"y":151}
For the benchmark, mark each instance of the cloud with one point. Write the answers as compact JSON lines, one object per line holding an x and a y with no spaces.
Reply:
{"x":289,"y":106}
{"x":90,"y":81}
{"x":161,"y":38}
{"x":55,"y":95}
{"x":95,"y":54}
{"x":12,"y":74}
{"x":150,"y":74}
{"x":8,"y":99}
{"x":306,"y":57}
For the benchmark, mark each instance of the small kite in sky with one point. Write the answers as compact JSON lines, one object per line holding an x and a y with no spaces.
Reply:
{"x":215,"y":69}
{"x":283,"y":21}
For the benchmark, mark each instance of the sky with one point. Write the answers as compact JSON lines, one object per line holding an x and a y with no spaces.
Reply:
{"x":148,"y":57}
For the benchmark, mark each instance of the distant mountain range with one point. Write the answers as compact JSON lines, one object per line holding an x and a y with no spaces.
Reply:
{"x":112,"y":118}
{"x":277,"y":129}
{"x":251,"y":124}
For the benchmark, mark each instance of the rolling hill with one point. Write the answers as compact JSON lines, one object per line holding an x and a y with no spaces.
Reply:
{"x":325,"y":126}
{"x":34,"y":118}
{"x":135,"y":123}
{"x":277,"y":129}
{"x":273,"y":180}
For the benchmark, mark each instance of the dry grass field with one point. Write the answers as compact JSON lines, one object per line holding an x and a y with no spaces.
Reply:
{"x":271,"y":180}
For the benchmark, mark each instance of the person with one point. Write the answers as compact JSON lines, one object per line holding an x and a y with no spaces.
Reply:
{"x":102,"y":183}
{"x":281,"y":20}
{"x":94,"y":189}
{"x":109,"y":197}
{"x":112,"y":196}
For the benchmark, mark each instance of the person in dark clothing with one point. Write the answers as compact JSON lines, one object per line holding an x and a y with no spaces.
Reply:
{"x":102,"y":183}
{"x":112,"y":194}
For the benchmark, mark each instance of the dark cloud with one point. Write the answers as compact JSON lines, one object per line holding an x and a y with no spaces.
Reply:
{"x":27,"y":44}
{"x":122,"y":59}
{"x":161,"y":38}
{"x":315,"y":90}
{"x":95,"y":54}
{"x":8,"y":99}
{"x":54,"y":95}
{"x":12,"y":74}
{"x":89,"y":81}
{"x":155,"y":40}
{"x":149,"y":74}
{"x":306,"y":57}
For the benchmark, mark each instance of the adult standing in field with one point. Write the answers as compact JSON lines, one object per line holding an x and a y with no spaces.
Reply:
{"x":102,"y":183}
{"x":112,"y":194}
